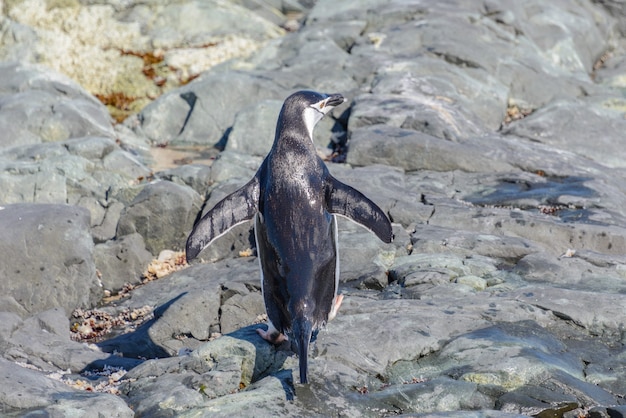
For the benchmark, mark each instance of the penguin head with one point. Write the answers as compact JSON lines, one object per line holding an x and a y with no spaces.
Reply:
{"x":312,"y":106}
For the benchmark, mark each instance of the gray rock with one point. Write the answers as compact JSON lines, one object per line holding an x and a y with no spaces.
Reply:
{"x":555,"y":235}
{"x":107,"y":229}
{"x":507,"y":249}
{"x":188,"y":308}
{"x":363,"y":258}
{"x":443,"y":89}
{"x":40,"y":106}
{"x":417,"y":112}
{"x":570,"y":125}
{"x":410,"y":150}
{"x":43,"y":342}
{"x":503,"y":288}
{"x":432,"y":396}
{"x":254,"y":127}
{"x":564,"y":303}
{"x":200,"y":112}
{"x":121,"y":261}
{"x":163,"y":213}
{"x":33,"y":391}
{"x":232,"y":166}
{"x":220,"y":367}
{"x":119,"y":161}
{"x":47,"y":257}
{"x":240,"y":310}
{"x":196,"y":176}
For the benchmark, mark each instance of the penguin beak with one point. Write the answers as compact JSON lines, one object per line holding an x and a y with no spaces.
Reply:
{"x":334,"y":100}
{"x":329,"y":103}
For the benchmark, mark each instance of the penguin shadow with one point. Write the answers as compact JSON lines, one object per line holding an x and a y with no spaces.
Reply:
{"x":129,"y":350}
{"x":138,"y":344}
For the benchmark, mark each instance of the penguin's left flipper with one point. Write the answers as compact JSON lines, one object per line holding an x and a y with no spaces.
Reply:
{"x":349,"y":202}
{"x":236,"y":208}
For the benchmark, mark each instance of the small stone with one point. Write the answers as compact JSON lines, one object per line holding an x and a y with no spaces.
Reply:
{"x":477,"y":283}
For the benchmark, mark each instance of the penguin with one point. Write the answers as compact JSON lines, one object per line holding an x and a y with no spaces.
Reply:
{"x":294,"y":201}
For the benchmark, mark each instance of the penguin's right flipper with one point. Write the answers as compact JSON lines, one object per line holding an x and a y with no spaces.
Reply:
{"x":236,"y":208}
{"x":349,"y":202}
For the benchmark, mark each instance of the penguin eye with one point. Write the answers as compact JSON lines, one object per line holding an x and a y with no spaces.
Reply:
{"x":322,"y":104}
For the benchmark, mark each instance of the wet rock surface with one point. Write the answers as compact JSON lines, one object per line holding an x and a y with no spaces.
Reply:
{"x":491,"y":133}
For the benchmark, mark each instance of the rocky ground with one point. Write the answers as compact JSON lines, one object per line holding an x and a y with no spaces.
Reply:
{"x":492,"y":133}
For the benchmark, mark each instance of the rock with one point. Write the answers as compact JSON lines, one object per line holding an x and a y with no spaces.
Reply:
{"x":432,"y":396}
{"x":384,"y":144}
{"x":475,"y":282}
{"x":124,"y":162}
{"x":507,"y":249}
{"x":232,"y":166}
{"x":566,"y":118}
{"x":152,"y":47}
{"x":43,"y":342}
{"x":254,"y":127}
{"x":240,"y":310}
{"x":196,"y":176}
{"x":599,"y":321}
{"x":163,"y":225}
{"x":187,"y":308}
{"x":221,"y":367}
{"x":107,"y":229}
{"x":444,"y":89}
{"x":182,"y":117}
{"x":47,"y":257}
{"x":473,"y":125}
{"x":33,"y":391}
{"x":33,"y":111}
{"x":363,"y":258}
{"x":122,"y":261}
{"x":416,"y":112}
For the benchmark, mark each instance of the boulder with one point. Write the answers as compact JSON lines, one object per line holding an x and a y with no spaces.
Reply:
{"x":121,"y":261}
{"x":34,"y":391}
{"x":47,"y":257}
{"x":163,"y":214}
{"x":40,"y":106}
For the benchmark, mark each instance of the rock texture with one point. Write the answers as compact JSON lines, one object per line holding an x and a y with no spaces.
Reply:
{"x":490,"y":132}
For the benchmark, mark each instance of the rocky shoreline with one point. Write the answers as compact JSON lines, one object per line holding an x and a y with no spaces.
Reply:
{"x":491,"y":133}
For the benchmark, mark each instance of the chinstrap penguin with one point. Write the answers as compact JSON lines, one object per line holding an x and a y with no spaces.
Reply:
{"x":293,"y":200}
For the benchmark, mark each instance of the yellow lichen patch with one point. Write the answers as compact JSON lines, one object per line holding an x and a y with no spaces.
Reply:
{"x":509,"y":381}
{"x":118,"y":103}
{"x":113,"y":58}
{"x":514,"y":112}
{"x":248,"y":252}
{"x":168,"y":262}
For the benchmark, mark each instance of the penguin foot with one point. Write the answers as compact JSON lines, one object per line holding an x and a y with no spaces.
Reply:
{"x":335,"y":308}
{"x":272,"y":335}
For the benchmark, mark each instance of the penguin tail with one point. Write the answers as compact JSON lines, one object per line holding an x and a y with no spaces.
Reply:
{"x":302,"y":332}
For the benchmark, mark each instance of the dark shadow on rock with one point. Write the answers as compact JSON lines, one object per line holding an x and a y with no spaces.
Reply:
{"x":221,"y":144}
{"x":133,"y":348}
{"x":518,"y":193}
